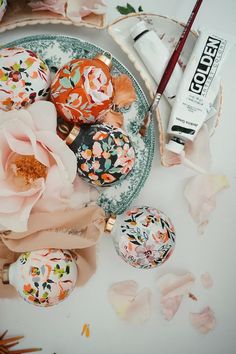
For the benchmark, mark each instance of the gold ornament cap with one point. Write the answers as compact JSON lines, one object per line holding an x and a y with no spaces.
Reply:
{"x":110,"y":223}
{"x":68,"y":134}
{"x":106,"y":58}
{"x":5,"y":273}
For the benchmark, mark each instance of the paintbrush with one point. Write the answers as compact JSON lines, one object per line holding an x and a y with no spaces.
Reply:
{"x":169,"y":69}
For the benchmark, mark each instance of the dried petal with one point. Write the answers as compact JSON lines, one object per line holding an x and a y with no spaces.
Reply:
{"x":198,"y":150}
{"x":173,"y":287}
{"x":57,"y":6}
{"x":130,"y":305}
{"x":114,"y":118}
{"x":124,"y":91}
{"x":207,"y":280}
{"x":204,"y":321}
{"x":200,"y":193}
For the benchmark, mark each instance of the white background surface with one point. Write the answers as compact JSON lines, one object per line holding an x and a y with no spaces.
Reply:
{"x":58,"y":329}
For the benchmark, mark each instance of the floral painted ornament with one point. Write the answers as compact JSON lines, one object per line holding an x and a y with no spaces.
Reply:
{"x":104,"y":153}
{"x":82,"y":90}
{"x":144,"y":237}
{"x":43,"y":277}
{"x":24,"y":78}
{"x":3,"y":6}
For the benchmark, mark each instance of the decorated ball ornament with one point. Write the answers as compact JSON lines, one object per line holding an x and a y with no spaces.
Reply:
{"x":3,"y":6}
{"x":24,"y":78}
{"x":82,"y":90}
{"x":144,"y":237}
{"x":44,"y":277}
{"x":104,"y":153}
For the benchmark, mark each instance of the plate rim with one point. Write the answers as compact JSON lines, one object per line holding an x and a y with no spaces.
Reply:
{"x":151,"y":135}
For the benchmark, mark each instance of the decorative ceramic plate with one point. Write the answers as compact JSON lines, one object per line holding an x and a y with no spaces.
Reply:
{"x":169,"y":31}
{"x":19,"y":14}
{"x":58,"y":50}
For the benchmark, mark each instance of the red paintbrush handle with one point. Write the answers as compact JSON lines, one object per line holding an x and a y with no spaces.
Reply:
{"x":176,"y":53}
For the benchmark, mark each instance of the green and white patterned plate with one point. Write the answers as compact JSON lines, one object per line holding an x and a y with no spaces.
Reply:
{"x":58,"y":50}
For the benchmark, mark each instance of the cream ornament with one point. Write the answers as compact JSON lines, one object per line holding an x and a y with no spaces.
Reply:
{"x":43,"y":277}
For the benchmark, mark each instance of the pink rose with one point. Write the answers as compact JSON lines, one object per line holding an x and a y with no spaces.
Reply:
{"x":37,"y":169}
{"x":77,"y":9}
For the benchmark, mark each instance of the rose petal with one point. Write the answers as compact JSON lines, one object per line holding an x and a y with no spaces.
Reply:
{"x":173,"y":287}
{"x":47,"y":119}
{"x":57,"y":6}
{"x":57,"y":192}
{"x":76,"y":9}
{"x":204,"y":321}
{"x":115,"y":119}
{"x":198,"y":151}
{"x":170,"y":306}
{"x":200,"y":193}
{"x":124,"y":90}
{"x":129,"y":305}
{"x":21,"y":139}
{"x":18,"y":221}
{"x":207,"y":280}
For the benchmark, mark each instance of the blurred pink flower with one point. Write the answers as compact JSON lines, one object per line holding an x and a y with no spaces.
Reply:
{"x":37,"y":169}
{"x":57,"y":6}
{"x":77,"y":9}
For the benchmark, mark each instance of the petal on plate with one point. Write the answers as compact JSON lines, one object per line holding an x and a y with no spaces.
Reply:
{"x":200,"y":193}
{"x":115,"y":119}
{"x":44,"y":115}
{"x":204,"y":321}
{"x":198,"y":151}
{"x":129,"y":304}
{"x":173,"y":287}
{"x":125,"y":93}
{"x":207,"y":280}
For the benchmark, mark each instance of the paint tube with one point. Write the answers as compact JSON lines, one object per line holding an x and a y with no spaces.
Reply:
{"x":198,"y":88}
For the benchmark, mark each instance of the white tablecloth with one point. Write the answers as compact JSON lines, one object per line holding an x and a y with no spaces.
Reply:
{"x":58,"y":329}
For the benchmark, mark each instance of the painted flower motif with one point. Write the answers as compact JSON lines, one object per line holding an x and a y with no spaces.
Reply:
{"x":97,"y":85}
{"x":135,"y":243}
{"x":146,"y":252}
{"x":24,"y":78}
{"x":99,"y":159}
{"x":37,"y":168}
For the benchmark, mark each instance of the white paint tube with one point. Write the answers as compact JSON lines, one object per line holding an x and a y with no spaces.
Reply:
{"x":155,"y":56}
{"x":198,"y":88}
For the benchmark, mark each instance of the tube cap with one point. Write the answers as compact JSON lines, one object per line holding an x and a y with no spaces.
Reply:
{"x":175,"y":145}
{"x":138,"y":28}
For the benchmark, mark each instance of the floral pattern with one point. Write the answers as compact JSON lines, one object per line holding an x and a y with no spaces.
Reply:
{"x":3,"y":6}
{"x":82,"y":90}
{"x":56,"y":51}
{"x":44,"y":277}
{"x":24,"y":78}
{"x":104,"y":154}
{"x":145,"y":237}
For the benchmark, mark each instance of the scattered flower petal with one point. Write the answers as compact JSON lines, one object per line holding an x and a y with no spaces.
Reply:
{"x":114,"y":118}
{"x":200,"y":193}
{"x":207,"y":280}
{"x":57,"y":6}
{"x":173,"y":287}
{"x":204,"y":321}
{"x":198,"y":150}
{"x":130,"y":305}
{"x":77,"y":9}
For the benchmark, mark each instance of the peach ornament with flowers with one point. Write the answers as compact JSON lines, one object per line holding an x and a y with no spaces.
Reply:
{"x":37,"y":169}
